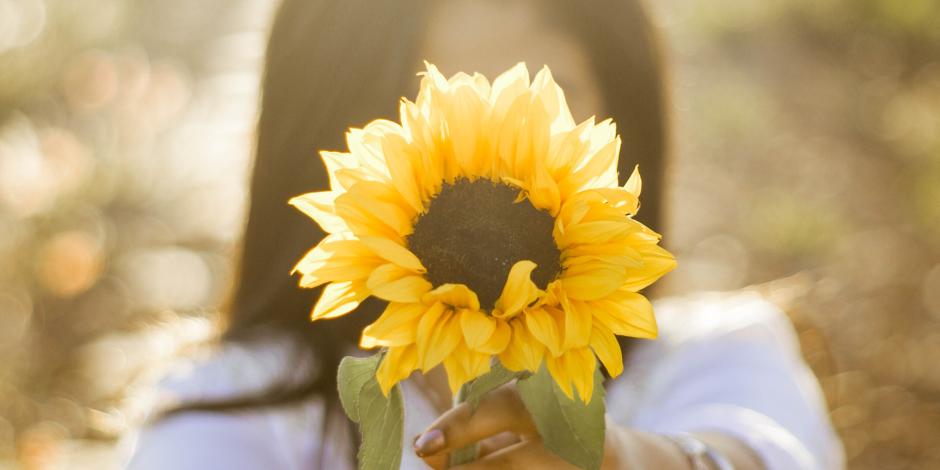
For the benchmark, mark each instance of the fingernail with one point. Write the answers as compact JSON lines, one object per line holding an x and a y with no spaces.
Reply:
{"x":429,"y":443}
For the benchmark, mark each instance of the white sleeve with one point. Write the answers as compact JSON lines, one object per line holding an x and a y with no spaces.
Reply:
{"x":196,"y":441}
{"x":288,"y":437}
{"x":742,"y":375}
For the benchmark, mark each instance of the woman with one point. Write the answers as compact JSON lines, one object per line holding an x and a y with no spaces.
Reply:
{"x":724,"y":385}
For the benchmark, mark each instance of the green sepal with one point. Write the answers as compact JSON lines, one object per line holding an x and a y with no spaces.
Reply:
{"x":381,"y":419}
{"x":570,"y":428}
{"x":498,"y":376}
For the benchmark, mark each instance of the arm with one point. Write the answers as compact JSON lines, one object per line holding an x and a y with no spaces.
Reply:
{"x":207,"y":440}
{"x":509,"y":440}
{"x":738,"y":385}
{"x":739,"y":374}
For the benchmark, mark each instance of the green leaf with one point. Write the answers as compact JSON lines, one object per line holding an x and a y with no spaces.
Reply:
{"x":498,"y":376}
{"x":381,"y":419}
{"x":570,"y":428}
{"x":351,"y":377}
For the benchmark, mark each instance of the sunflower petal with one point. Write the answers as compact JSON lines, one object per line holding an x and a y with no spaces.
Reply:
{"x":396,"y":284}
{"x":319,"y":206}
{"x":499,"y":340}
{"x":392,"y":251}
{"x":558,"y":368}
{"x":626,"y":313}
{"x":634,"y":184}
{"x":554,"y":98}
{"x":581,"y":365}
{"x":592,"y":282}
{"x":519,"y":290}
{"x":338,"y":299}
{"x":454,"y":295}
{"x":444,"y":337}
{"x":335,"y":258}
{"x":523,"y":352}
{"x":464,"y":365}
{"x":477,"y":327}
{"x":656,"y":263}
{"x":543,"y":327}
{"x":399,"y":362}
{"x":578,"y":321}
{"x":397,"y":326}
{"x":605,"y":345}
{"x":401,"y":160}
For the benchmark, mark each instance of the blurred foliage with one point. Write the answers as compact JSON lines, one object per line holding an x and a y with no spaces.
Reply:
{"x":125,"y":129}
{"x":808,"y":141}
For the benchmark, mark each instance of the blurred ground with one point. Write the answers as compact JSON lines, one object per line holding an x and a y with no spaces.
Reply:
{"x":808,"y":141}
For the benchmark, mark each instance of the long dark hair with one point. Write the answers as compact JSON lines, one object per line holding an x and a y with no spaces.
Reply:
{"x":332,"y":64}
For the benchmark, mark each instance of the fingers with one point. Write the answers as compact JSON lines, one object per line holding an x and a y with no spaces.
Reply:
{"x":497,"y":442}
{"x":486,"y":447}
{"x":527,"y":454}
{"x":500,"y":411}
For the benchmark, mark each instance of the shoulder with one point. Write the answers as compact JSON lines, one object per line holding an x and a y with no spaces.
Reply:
{"x":253,"y":438}
{"x":736,"y":318}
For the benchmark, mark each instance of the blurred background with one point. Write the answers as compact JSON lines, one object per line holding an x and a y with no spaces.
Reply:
{"x":808,"y":162}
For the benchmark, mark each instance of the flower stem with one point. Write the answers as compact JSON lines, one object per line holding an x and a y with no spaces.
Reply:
{"x":467,"y":454}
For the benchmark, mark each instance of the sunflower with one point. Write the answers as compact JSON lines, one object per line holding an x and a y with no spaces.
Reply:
{"x":494,"y":226}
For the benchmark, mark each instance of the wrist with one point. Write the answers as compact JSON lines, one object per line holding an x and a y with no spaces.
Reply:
{"x":632,"y":449}
{"x":700,"y":455}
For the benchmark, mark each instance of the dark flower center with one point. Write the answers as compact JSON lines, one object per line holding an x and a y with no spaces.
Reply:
{"x":473,"y":233}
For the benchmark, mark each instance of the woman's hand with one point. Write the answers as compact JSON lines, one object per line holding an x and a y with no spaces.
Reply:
{"x":501,"y":425}
{"x":508,"y":439}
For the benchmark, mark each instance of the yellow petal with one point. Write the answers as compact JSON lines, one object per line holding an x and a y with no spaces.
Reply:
{"x":319,"y":206}
{"x":634,"y":184}
{"x":394,"y":252}
{"x":523,"y":352}
{"x":398,"y":363}
{"x":477,"y":327}
{"x":657,"y":262}
{"x":401,"y":160}
{"x":507,"y":87}
{"x":592,"y":173}
{"x":543,"y":327}
{"x":607,"y":348}
{"x":519,"y":290}
{"x":543,"y":191}
{"x":619,"y":198}
{"x":338,"y":299}
{"x":368,"y":216}
{"x":498,"y":340}
{"x":592,"y":282}
{"x":554,"y":98}
{"x":462,"y":365}
{"x":464,"y":118}
{"x":396,"y":284}
{"x":578,"y":321}
{"x":508,"y":136}
{"x":347,"y":169}
{"x":438,"y":334}
{"x":397,"y":326}
{"x":336,"y":258}
{"x":581,"y":365}
{"x":603,"y":249}
{"x":454,"y":295}
{"x":627,"y":314}
{"x":605,"y":231}
{"x":558,"y":369}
